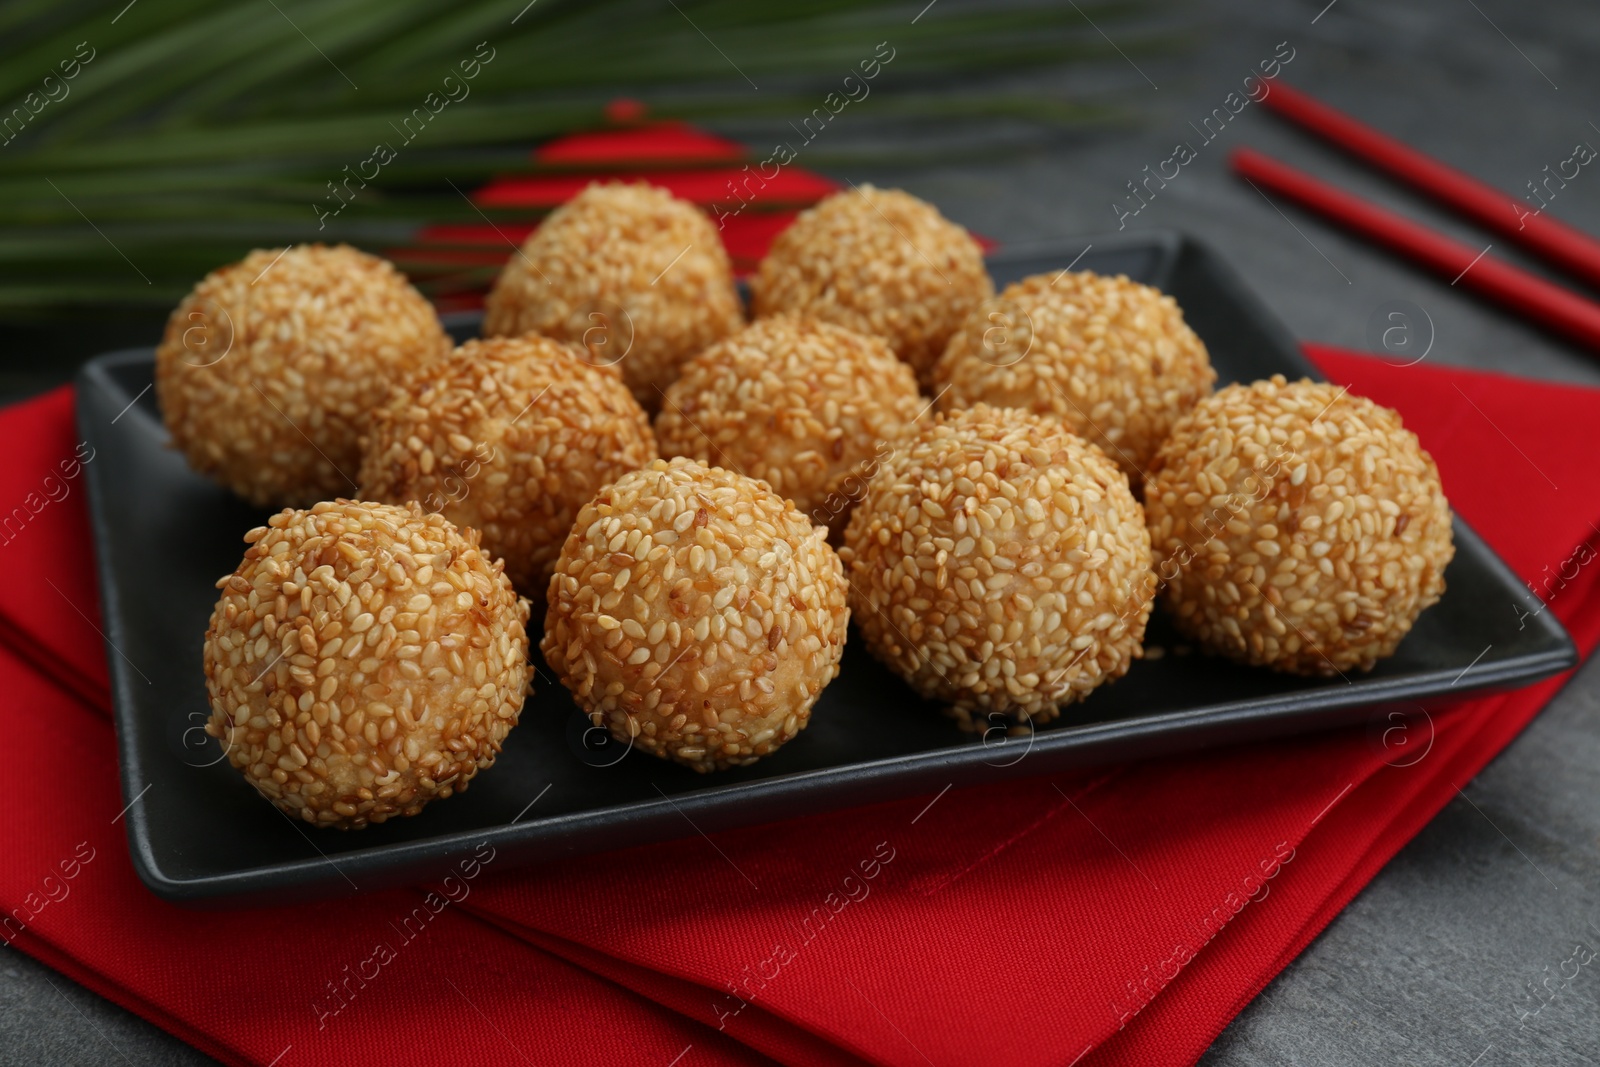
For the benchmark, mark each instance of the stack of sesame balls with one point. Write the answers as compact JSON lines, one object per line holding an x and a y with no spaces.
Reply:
{"x":997,"y":509}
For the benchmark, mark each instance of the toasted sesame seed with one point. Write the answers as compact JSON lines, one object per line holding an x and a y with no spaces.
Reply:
{"x":1112,"y":359}
{"x":544,"y":431}
{"x":880,"y":262}
{"x":266,"y":377}
{"x":1276,"y":509}
{"x":342,"y":742}
{"x":806,"y":406}
{"x":1018,"y":621}
{"x":637,"y":277}
{"x":736,"y":646}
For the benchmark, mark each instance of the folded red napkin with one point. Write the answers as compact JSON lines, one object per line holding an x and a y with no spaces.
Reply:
{"x":1121,"y":915}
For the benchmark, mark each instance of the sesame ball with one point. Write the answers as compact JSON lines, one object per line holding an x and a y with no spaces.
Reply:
{"x":1110,"y":358}
{"x":628,"y":272}
{"x":510,"y":436}
{"x":808,"y":407}
{"x":363,"y":660}
{"x":696,"y":614}
{"x":269,"y":368}
{"x":999,"y":563}
{"x":1298,"y":527}
{"x":881,"y":262}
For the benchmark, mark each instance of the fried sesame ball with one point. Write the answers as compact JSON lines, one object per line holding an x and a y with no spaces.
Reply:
{"x":1000,"y":563}
{"x":881,"y":262}
{"x":696,"y":614}
{"x":808,"y":407}
{"x":1110,"y":358}
{"x":628,"y":272}
{"x":1298,"y":527}
{"x":269,"y":368}
{"x":510,"y":436}
{"x":363,"y":660}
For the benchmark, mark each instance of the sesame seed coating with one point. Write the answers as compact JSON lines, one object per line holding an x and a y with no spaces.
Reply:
{"x":1110,"y":358}
{"x":269,"y":367}
{"x":806,"y":406}
{"x":880,"y":262}
{"x":1000,"y":563}
{"x":510,"y":436}
{"x":1298,"y":527}
{"x":362,"y":660}
{"x":629,"y":272}
{"x":696,"y":614}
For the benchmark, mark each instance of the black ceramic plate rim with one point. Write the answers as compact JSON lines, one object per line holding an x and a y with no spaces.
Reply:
{"x":670,"y":817}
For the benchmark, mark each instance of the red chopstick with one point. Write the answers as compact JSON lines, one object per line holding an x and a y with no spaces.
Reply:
{"x":1509,"y":216}
{"x":1549,"y":305}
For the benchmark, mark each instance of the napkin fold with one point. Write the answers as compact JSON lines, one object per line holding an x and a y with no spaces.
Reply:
{"x":1118,"y":915}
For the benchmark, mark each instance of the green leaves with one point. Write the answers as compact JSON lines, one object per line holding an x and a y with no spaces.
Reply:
{"x":198,"y":131}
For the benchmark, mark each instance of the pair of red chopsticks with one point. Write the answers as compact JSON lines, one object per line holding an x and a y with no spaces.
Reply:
{"x":1470,"y":267}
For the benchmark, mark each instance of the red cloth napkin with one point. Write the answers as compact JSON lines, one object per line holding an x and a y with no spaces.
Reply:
{"x":1121,"y":915}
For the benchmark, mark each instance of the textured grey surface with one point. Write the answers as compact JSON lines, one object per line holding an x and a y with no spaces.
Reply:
{"x":1433,"y":962}
{"x":46,"y":1018}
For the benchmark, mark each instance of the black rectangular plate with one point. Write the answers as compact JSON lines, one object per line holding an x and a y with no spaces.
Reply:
{"x":200,"y":834}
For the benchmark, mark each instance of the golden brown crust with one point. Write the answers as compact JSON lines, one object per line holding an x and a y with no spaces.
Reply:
{"x":363,"y":660}
{"x":1298,"y":527}
{"x":269,"y":368}
{"x":880,"y":262}
{"x":1000,"y":563}
{"x":1110,"y":358}
{"x":510,"y":436}
{"x":696,"y":614}
{"x":628,"y":272}
{"x":806,"y":406}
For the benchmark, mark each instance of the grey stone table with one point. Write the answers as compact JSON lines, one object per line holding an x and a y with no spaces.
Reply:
{"x":1431,"y":963}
